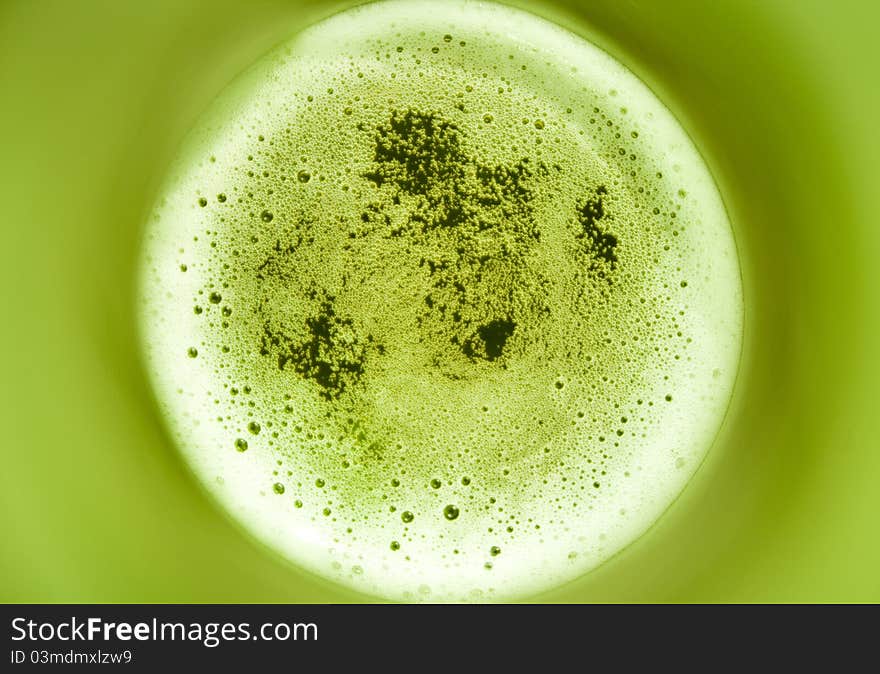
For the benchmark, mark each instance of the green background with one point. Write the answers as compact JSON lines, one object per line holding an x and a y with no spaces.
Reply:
{"x":783,"y":99}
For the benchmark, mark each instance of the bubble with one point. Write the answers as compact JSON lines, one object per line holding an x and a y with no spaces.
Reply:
{"x":192,"y":352}
{"x":450,"y":512}
{"x":278,"y":488}
{"x":304,"y":176}
{"x":407,"y":516}
{"x":241,"y":444}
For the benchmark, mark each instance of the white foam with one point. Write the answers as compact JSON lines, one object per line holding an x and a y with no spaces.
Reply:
{"x":563,"y":526}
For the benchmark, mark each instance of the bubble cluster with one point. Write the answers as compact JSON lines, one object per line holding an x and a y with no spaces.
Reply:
{"x":450,"y":303}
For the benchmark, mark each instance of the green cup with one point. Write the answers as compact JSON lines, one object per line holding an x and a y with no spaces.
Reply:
{"x":97,"y":504}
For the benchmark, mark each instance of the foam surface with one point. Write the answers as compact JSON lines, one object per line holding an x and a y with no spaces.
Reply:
{"x":442,"y":305}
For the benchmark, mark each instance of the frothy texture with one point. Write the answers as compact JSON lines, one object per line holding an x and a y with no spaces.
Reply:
{"x":442,"y":305}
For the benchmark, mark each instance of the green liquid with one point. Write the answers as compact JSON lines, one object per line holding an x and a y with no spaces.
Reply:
{"x":422,"y":290}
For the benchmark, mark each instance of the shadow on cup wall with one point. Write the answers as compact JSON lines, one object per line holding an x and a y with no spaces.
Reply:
{"x":767,"y":137}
